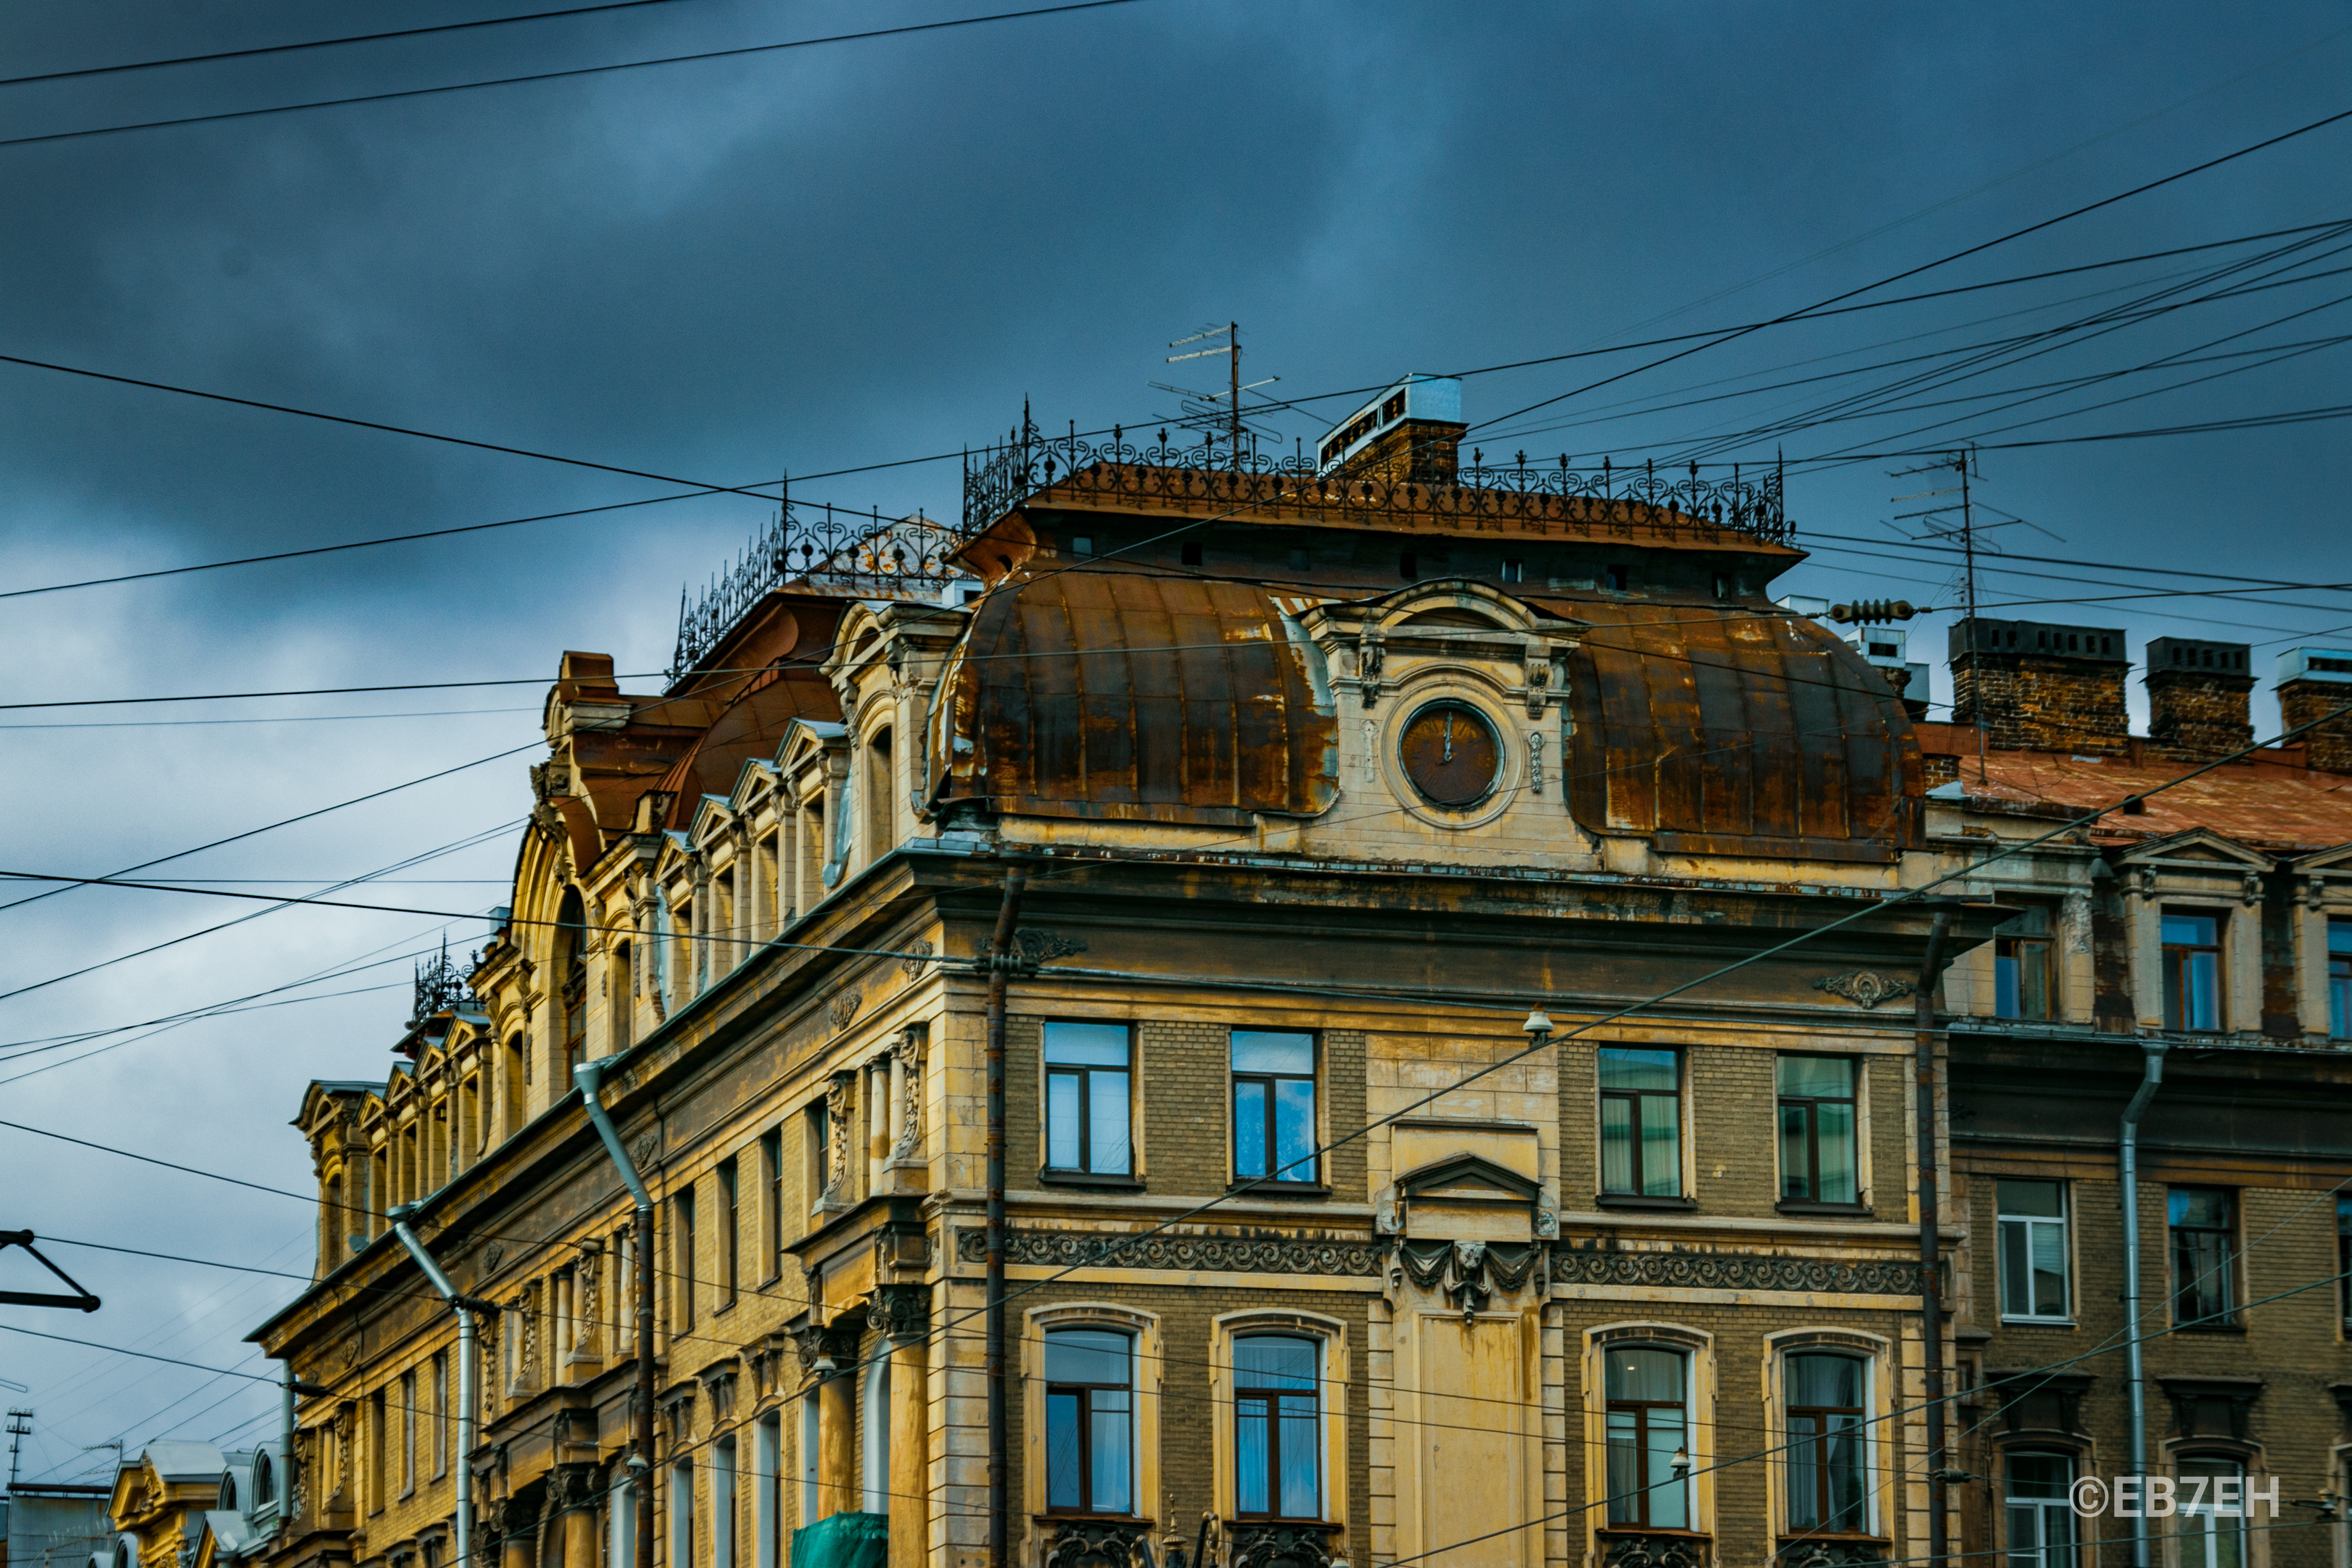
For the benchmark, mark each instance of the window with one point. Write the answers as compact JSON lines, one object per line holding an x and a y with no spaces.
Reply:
{"x":2201,"y":1287}
{"x":1648,"y":1434}
{"x":2214,"y":1517}
{"x":1191,"y":552}
{"x":441,"y":1413}
{"x":811,"y":1438}
{"x":2192,"y":972}
{"x":722,"y":1504}
{"x":772,"y":1218}
{"x":767,"y":1491}
{"x":1082,"y":544}
{"x":682,"y":1255}
{"x":1089,"y":1422}
{"x":681,"y":1514}
{"x":2040,"y":1521}
{"x":1408,"y":565}
{"x":623,"y":1009}
{"x":571,"y":979}
{"x":2339,"y":978}
{"x":1826,"y":1443}
{"x":816,"y":1124}
{"x":731,"y":1214}
{"x":2343,"y":1256}
{"x":378,"y":1434}
{"x":265,"y":1481}
{"x":1277,"y":1428}
{"x":1274,"y":1105}
{"x":226,"y":1499}
{"x":1514,"y":570}
{"x":622,"y":1550}
{"x":874,"y":1427}
{"x":1641,"y":1122}
{"x":2032,"y":1218}
{"x":1818,"y":1162}
{"x":408,"y":1432}
{"x":1619,"y":578}
{"x":2021,"y":966}
{"x":1086,"y":1099}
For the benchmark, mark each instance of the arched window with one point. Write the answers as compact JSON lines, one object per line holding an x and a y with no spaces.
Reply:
{"x":2214,"y":1513}
{"x":1827,"y":1471}
{"x":623,"y":1012}
{"x":572,"y":980}
{"x":2035,"y":1488}
{"x":1089,"y":1421}
{"x":264,"y":1480}
{"x":227,"y":1502}
{"x":518,"y":1078}
{"x":1648,"y":1425}
{"x":881,"y":828}
{"x":338,"y":1225}
{"x":1277,"y":1427}
{"x":874,"y":1426}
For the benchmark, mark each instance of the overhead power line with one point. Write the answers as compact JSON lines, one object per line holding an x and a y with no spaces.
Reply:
{"x":325,"y":42}
{"x":866,"y":33}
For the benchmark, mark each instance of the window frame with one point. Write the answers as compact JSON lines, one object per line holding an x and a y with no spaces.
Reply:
{"x":2044,"y":1552}
{"x":1332,"y":1360}
{"x":682,"y":1258}
{"x":2344,"y":1260}
{"x":2063,"y":1222}
{"x":2172,"y":957}
{"x":1852,"y":1100}
{"x":1145,"y":1375}
{"x":1791,"y":1442}
{"x":1084,"y":1393}
{"x":2226,"y":1317}
{"x":1700,"y":1392}
{"x":1883,"y":1501}
{"x":1639,"y":1411}
{"x":771,"y":1193}
{"x":1633,"y":1097}
{"x":2338,"y":978}
{"x":2038,"y":948}
{"x":730,"y":1284}
{"x":2204,"y":1555}
{"x":1274,"y":1397}
{"x":1084,"y":1172}
{"x":1273,"y":1177}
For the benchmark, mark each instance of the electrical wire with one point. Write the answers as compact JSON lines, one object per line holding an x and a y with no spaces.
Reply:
{"x":562,"y":75}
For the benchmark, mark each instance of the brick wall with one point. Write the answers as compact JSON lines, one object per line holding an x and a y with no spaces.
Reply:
{"x":2330,"y":744}
{"x":2038,"y":703}
{"x":2197,"y":714}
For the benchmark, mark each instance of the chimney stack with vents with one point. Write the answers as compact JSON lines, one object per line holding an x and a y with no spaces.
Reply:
{"x":2037,"y":687}
{"x":2197,"y":699}
{"x":2312,"y":682}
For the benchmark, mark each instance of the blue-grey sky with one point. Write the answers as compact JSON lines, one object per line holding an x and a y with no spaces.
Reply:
{"x":844,"y":255}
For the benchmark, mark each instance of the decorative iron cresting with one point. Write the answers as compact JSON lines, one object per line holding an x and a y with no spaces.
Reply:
{"x":1623,"y":1549}
{"x":440,"y":986}
{"x":829,"y":548}
{"x":998,"y":477}
{"x":1092,"y":1543}
{"x":1284,"y":1544}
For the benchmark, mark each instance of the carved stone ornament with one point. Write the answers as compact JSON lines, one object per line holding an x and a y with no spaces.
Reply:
{"x":1037,"y":945}
{"x":900,"y":1311}
{"x":909,"y":1051}
{"x":842,"y":1009}
{"x":1472,"y":1272}
{"x":1627,"y":1550}
{"x":818,"y":1344}
{"x":1282,"y":1545}
{"x":839,"y":1132}
{"x":1866,"y":987}
{"x":351,"y":1351}
{"x":1089,"y":1544}
{"x":492,"y":1256}
{"x":918,"y":954}
{"x":647,"y":1145}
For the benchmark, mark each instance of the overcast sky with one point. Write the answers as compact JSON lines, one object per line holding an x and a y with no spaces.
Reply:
{"x":844,"y":255}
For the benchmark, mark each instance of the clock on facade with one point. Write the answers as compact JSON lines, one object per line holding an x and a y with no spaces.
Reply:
{"x":1450,"y":753}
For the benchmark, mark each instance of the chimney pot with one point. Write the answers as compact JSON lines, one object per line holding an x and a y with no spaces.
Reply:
{"x":2198,"y":698}
{"x":2312,"y":682}
{"x":2039,"y":687}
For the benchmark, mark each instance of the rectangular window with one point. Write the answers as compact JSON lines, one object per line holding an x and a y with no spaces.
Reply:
{"x":722,"y":1504}
{"x":730,"y":1222}
{"x":2344,"y":1259}
{"x":681,"y":1514}
{"x":2212,"y":1515}
{"x":768,"y":1491}
{"x":2192,"y":972}
{"x":2033,"y":1219}
{"x":622,"y":1552}
{"x":408,"y":1432}
{"x":1277,"y":1427}
{"x":2041,"y":1522}
{"x":1826,"y":1443}
{"x":772,"y":1206}
{"x":1648,"y":1437}
{"x":2339,"y":978}
{"x":817,"y":1135}
{"x":2202,"y":1224}
{"x":379,"y":1435}
{"x":441,"y":1413}
{"x":1641,"y":1122}
{"x":1274,"y":1105}
{"x":682,"y":1255}
{"x":2021,"y":967}
{"x":1087,"y":1099}
{"x":1819,"y":1162}
{"x":1089,"y":1422}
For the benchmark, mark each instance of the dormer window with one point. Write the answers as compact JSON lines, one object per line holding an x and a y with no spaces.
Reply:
{"x":227,"y":1502}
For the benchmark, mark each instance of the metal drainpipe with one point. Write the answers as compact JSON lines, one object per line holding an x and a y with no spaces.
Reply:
{"x":2134,"y":1384}
{"x":1000,"y":967}
{"x":1931,"y":1305}
{"x":464,"y":1307}
{"x":284,"y":1477}
{"x":590,"y":1076}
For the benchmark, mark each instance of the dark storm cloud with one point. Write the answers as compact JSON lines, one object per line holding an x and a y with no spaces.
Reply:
{"x":851,"y":254}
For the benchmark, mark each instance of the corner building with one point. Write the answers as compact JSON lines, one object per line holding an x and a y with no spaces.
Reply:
{"x":1320,"y":784}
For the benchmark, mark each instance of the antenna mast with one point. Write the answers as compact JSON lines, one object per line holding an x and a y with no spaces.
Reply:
{"x":20,"y":1425}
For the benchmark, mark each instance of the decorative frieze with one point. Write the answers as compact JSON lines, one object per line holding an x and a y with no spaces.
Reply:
{"x":1735,"y":1271}
{"x":1217,"y":1254}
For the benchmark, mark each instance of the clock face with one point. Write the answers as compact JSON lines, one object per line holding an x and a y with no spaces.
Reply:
{"x":1451,"y":754}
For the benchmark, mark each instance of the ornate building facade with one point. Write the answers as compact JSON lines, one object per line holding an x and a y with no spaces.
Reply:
{"x":1329,"y":838}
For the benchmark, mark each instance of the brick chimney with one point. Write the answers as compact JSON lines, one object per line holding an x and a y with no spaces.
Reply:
{"x":2312,"y":682}
{"x":2197,"y":699}
{"x":2038,"y":687}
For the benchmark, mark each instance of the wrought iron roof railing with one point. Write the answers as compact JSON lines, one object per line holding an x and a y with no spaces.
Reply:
{"x":827,"y":548}
{"x":440,"y":986}
{"x":996,"y":478}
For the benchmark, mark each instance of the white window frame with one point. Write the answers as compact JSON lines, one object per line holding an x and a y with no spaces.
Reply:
{"x":2065,"y":1225}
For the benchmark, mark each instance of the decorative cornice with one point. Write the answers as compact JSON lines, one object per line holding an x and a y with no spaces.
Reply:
{"x":1735,"y":1271}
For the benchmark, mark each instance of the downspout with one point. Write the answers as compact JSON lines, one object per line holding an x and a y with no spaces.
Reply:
{"x":464,"y":1306}
{"x":2135,"y":1384}
{"x":286,"y":1454}
{"x":1931,"y":1304}
{"x":590,"y":1076}
{"x":1000,"y":969}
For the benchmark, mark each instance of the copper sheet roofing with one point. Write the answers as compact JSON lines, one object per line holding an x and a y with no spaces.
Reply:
{"x":1718,"y":730}
{"x":1120,"y":694}
{"x":2272,"y":802}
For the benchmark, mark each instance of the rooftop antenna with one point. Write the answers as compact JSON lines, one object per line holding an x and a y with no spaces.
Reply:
{"x":20,"y":1425}
{"x":1963,"y":465}
{"x":1232,"y":349}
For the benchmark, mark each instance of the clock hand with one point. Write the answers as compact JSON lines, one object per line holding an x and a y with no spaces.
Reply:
{"x":1449,"y":737}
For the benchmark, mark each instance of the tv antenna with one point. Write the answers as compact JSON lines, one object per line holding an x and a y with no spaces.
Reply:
{"x":20,"y":1426}
{"x":1206,"y":410}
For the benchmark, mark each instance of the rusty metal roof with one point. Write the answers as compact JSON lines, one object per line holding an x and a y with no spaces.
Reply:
{"x":1719,"y":730}
{"x":1119,"y":695}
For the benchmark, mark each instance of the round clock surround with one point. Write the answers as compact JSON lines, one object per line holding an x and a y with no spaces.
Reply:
{"x":1452,"y":754}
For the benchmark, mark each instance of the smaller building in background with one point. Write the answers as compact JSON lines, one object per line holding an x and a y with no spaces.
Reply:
{"x":54,"y":1524}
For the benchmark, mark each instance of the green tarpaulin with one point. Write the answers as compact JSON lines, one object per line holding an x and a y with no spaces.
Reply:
{"x":843,"y":1540}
